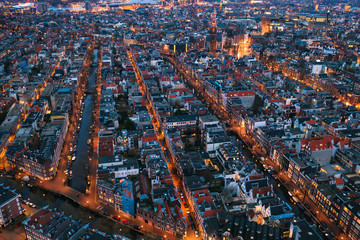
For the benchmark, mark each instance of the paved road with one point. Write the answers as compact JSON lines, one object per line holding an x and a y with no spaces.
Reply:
{"x":283,"y":190}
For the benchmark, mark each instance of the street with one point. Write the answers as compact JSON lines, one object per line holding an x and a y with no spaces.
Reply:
{"x":177,"y":180}
{"x":256,"y":152}
{"x":42,"y":198}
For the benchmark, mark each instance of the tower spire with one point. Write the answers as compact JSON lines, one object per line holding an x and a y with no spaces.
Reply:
{"x":212,"y":45}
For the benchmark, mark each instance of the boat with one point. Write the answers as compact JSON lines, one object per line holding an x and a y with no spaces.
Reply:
{"x":300,"y":205}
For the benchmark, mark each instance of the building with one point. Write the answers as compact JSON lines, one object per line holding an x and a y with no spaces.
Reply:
{"x":301,"y":229}
{"x":124,"y":197}
{"x":227,"y":153}
{"x":49,"y":225}
{"x":214,"y":138}
{"x":182,"y":122}
{"x":350,"y":219}
{"x":42,"y":159}
{"x":42,"y":7}
{"x":9,"y":205}
{"x":105,"y":189}
{"x":297,"y":167}
{"x":322,"y":149}
{"x":88,"y":6}
{"x":213,"y":33}
{"x":241,"y":93}
{"x":265,"y":25}
{"x":324,"y":197}
{"x":121,"y":168}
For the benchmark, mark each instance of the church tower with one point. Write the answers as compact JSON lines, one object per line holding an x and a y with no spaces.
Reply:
{"x":212,"y":45}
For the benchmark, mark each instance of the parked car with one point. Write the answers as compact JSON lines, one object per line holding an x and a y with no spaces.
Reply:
{"x":322,"y":229}
{"x":124,"y":221}
{"x":136,"y":227}
{"x":32,"y":205}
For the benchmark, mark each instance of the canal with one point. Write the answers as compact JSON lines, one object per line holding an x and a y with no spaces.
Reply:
{"x":280,"y":191}
{"x":80,"y":167}
{"x":42,"y":198}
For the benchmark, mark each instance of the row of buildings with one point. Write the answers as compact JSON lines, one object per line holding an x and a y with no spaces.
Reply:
{"x":39,"y":140}
{"x":218,"y":181}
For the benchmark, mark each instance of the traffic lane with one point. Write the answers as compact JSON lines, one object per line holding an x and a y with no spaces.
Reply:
{"x":256,"y":149}
{"x":17,"y":233}
{"x":282,"y":193}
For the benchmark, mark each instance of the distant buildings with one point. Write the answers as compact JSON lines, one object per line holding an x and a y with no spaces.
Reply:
{"x":42,"y":7}
{"x":88,"y":6}
{"x":173,"y":84}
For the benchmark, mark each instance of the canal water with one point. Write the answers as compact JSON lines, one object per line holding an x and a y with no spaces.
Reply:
{"x":81,"y":165}
{"x":281,"y":191}
{"x":42,"y":198}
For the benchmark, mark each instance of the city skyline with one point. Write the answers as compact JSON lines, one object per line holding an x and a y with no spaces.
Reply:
{"x":153,"y":119}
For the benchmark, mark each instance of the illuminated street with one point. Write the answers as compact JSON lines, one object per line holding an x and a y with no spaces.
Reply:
{"x":189,"y":119}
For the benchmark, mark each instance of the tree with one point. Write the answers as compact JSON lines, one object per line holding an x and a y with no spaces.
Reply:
{"x":179,"y":112}
{"x":258,"y":104}
{"x":7,"y":66}
{"x":129,"y":125}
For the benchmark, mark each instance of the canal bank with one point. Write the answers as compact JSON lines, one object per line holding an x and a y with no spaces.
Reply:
{"x":80,"y":167}
{"x":42,"y":198}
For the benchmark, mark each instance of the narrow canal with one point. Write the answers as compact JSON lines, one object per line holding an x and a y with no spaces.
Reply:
{"x":42,"y":198}
{"x":80,"y":166}
{"x":279,"y":190}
